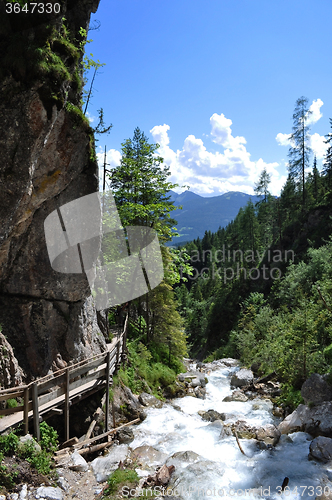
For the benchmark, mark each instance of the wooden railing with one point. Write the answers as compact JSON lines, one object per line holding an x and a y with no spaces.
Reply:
{"x":61,"y":387}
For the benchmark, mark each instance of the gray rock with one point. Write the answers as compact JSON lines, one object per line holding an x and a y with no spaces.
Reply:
{"x":242,"y":377}
{"x":125,"y":436}
{"x":49,"y":493}
{"x":195,"y":382}
{"x":321,"y":449}
{"x":236,"y":396}
{"x":317,"y":421}
{"x":77,"y":462}
{"x":149,"y":400}
{"x":104,"y":466}
{"x":211,"y":415}
{"x":183,"y":458}
{"x":269,"y":434}
{"x":148,"y":455}
{"x":43,"y":312}
{"x":24,"y":492}
{"x":316,"y":389}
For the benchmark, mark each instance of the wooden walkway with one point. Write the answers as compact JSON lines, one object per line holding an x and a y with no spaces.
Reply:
{"x":64,"y":388}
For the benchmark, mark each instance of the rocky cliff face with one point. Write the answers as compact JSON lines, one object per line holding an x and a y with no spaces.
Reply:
{"x":46,"y":160}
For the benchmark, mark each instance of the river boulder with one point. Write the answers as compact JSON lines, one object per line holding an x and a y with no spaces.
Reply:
{"x":316,"y":420}
{"x":149,"y":400}
{"x":269,"y":434}
{"x":316,"y":389}
{"x":183,"y":458}
{"x":147,"y":455}
{"x":211,"y":415}
{"x":243,"y":430}
{"x":242,"y":378}
{"x":104,"y":466}
{"x":236,"y":396}
{"x":321,"y":449}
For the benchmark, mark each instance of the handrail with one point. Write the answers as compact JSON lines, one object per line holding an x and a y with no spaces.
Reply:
{"x":101,"y":366}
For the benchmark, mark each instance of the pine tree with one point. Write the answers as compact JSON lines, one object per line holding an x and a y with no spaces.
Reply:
{"x":140,"y":186}
{"x":328,"y":159}
{"x":315,"y":179}
{"x":299,"y":152}
{"x":262,"y":186}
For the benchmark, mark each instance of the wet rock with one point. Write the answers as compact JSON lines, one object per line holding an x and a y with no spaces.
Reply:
{"x":149,"y":400}
{"x":195,"y":382}
{"x":236,"y":396}
{"x":126,"y":405}
{"x":148,"y":455}
{"x":316,"y":389}
{"x":211,"y":415}
{"x":269,"y":434}
{"x":205,"y":470}
{"x":321,"y":449}
{"x":200,"y":392}
{"x":243,"y":430}
{"x":125,"y":436}
{"x":242,"y":378}
{"x":278,"y":412}
{"x":317,"y":421}
{"x":183,"y":458}
{"x":49,"y":493}
{"x":77,"y":462}
{"x":104,"y":466}
{"x":160,"y":478}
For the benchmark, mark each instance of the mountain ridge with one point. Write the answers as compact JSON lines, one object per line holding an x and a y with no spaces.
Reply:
{"x":201,"y":214}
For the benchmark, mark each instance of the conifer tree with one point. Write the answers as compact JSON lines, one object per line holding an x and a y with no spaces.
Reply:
{"x":328,"y":158}
{"x":300,"y":151}
{"x":262,"y":186}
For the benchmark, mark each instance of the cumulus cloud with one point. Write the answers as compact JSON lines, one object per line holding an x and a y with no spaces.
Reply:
{"x":315,"y":111}
{"x":283,"y":139}
{"x":318,"y":145}
{"x":213,"y":173}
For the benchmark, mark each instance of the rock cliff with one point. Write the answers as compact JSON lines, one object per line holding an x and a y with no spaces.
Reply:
{"x":47,"y":159}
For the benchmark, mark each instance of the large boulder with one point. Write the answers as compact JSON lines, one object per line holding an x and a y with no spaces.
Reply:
{"x":149,"y":400}
{"x":236,"y":396}
{"x":269,"y":434}
{"x":104,"y":466}
{"x":211,"y":415}
{"x":317,"y":420}
{"x":242,"y":377}
{"x":243,"y":430}
{"x":147,"y":455}
{"x":316,"y":389}
{"x":321,"y":449}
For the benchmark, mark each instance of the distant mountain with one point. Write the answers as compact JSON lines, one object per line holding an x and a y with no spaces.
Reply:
{"x":201,"y":214}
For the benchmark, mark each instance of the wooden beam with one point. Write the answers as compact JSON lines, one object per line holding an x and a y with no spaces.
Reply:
{"x":67,"y":405}
{"x":26,"y":410}
{"x":35,"y":411}
{"x":107,"y":409}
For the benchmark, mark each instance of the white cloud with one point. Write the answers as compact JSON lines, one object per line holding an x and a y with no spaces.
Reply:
{"x":318,"y":146}
{"x":90,"y":118}
{"x":283,"y":139}
{"x":213,"y":173}
{"x":315,"y":109}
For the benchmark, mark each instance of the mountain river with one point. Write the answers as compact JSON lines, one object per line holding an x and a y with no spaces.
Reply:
{"x":221,"y":470}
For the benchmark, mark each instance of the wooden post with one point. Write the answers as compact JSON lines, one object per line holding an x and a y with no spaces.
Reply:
{"x":107,"y":410}
{"x":35,"y":411}
{"x":67,"y":405}
{"x":26,"y":410}
{"x":113,"y":414}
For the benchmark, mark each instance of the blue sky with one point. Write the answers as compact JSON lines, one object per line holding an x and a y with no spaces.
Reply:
{"x":214,"y":83}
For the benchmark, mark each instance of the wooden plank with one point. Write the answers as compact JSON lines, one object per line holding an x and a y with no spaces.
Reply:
{"x":9,"y":411}
{"x":26,"y":410}
{"x":12,"y":395}
{"x":35,"y":411}
{"x":67,"y":406}
{"x":107,"y":374}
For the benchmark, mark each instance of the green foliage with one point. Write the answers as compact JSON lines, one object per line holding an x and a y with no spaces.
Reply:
{"x":48,"y":437}
{"x":8,"y":444}
{"x":290,"y":397}
{"x":120,"y":478}
{"x":12,"y":403}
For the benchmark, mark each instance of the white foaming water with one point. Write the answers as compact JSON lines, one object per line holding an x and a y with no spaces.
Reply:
{"x":222,"y":471}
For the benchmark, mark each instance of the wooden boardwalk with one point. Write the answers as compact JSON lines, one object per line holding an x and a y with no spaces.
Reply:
{"x":55,"y":393}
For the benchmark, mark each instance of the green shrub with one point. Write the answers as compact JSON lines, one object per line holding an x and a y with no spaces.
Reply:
{"x":8,"y":444}
{"x":119,"y":478}
{"x":12,"y":403}
{"x":48,"y":437}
